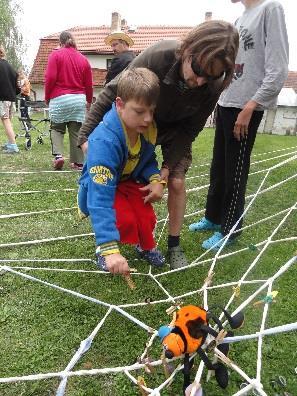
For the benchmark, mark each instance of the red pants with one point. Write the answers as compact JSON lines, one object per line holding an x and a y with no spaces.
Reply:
{"x":135,"y":220}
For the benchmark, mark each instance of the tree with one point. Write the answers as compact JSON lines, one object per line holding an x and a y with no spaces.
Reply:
{"x":10,"y":36}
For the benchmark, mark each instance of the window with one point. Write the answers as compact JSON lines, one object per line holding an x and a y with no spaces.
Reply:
{"x":108,"y":62}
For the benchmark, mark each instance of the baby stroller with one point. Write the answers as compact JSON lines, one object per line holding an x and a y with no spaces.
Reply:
{"x":29,"y":125}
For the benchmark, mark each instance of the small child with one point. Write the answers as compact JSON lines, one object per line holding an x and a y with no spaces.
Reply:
{"x":121,"y":178}
{"x":25,"y":94}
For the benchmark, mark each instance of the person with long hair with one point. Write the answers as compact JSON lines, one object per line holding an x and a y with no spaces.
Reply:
{"x":69,"y":93}
{"x":192,"y":74}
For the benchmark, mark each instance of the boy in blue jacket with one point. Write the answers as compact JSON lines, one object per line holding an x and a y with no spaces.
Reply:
{"x":121,"y":178}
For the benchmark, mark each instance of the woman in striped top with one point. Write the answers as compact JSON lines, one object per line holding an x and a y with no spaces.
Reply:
{"x":69,"y":93}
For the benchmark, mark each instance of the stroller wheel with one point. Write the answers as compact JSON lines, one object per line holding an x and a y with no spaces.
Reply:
{"x":28,"y":144}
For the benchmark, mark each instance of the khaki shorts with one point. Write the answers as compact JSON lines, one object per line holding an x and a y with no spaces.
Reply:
{"x":6,"y":109}
{"x":181,"y":168}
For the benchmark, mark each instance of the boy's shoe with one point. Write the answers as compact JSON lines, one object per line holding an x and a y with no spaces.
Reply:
{"x":177,"y":258}
{"x":204,"y":225}
{"x":153,"y":256}
{"x":4,"y":146}
{"x":76,"y":166}
{"x":58,"y":163}
{"x":216,"y":241}
{"x":101,"y":263}
{"x":11,"y":148}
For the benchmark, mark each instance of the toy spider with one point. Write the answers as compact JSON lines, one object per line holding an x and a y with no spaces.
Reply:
{"x":188,"y":333}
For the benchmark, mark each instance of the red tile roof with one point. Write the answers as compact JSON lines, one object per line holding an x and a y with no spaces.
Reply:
{"x":90,"y":40}
{"x":45,"y":48}
{"x":291,"y":81}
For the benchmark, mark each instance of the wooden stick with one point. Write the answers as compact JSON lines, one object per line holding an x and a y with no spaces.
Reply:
{"x":129,"y":281}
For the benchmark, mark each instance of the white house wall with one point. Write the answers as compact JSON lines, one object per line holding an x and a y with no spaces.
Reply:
{"x":284,"y":121}
{"x":98,"y":62}
{"x":38,"y":93}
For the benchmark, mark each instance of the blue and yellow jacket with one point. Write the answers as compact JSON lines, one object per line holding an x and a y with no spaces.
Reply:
{"x":102,"y":171}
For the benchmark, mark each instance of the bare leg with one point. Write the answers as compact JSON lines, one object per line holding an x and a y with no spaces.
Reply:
{"x":176,"y":208}
{"x":176,"y":205}
{"x":8,"y":130}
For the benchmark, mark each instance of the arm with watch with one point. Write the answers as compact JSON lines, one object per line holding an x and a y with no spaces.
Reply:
{"x":156,"y":184}
{"x":155,"y":189}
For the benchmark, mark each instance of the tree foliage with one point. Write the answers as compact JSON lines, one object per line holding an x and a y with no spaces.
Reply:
{"x":10,"y":36}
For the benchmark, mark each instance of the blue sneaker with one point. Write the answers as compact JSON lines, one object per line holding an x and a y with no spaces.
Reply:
{"x":153,"y":257}
{"x":4,"y":146}
{"x":11,"y":148}
{"x":215,"y":242}
{"x":204,"y":225}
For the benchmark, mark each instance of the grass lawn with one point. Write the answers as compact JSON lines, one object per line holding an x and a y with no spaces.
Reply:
{"x":41,"y":327}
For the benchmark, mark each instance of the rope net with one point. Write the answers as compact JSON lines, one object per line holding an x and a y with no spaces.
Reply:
{"x":203,"y":282}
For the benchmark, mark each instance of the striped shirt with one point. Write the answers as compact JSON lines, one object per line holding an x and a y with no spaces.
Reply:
{"x":70,"y":107}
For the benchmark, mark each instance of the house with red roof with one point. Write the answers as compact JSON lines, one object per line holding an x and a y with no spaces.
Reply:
{"x":90,"y":42}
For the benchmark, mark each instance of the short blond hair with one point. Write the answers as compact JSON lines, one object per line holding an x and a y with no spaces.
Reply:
{"x":139,"y":84}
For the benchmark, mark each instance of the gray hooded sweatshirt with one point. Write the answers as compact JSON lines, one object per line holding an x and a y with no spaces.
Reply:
{"x":262,"y":61}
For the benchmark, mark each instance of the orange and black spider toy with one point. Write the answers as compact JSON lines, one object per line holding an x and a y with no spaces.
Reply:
{"x":188,"y":334}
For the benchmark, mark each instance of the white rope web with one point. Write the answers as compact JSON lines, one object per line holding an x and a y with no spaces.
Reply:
{"x":19,"y":268}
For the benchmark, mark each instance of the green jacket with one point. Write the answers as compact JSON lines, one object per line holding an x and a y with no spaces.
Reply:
{"x":181,"y":113}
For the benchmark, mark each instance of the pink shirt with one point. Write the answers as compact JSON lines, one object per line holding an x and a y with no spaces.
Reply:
{"x":68,"y":72}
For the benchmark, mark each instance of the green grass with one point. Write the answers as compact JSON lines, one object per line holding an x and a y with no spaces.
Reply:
{"x":42,"y":327}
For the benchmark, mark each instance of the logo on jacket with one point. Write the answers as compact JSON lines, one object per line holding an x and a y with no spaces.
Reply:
{"x":101,"y":174}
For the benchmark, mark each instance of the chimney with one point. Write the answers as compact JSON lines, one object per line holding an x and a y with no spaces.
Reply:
{"x":123,"y":24}
{"x":208,"y":16}
{"x":115,"y":22}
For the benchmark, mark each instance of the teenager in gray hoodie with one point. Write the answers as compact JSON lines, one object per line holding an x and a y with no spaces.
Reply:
{"x":260,"y":72}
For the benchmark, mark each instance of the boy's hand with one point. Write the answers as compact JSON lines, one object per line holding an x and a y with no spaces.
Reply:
{"x":155,"y":192}
{"x":117,"y":264}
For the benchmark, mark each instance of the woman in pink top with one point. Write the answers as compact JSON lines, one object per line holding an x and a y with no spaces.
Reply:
{"x":69,"y":93}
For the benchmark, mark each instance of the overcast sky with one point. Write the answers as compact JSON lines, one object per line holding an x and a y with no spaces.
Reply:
{"x":44,"y":17}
